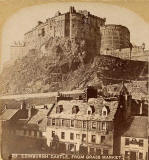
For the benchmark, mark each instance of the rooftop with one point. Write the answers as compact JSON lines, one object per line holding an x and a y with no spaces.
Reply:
{"x":39,"y":120}
{"x":8,"y":114}
{"x":82,"y":114}
{"x":137,"y":91}
{"x":138,"y":127}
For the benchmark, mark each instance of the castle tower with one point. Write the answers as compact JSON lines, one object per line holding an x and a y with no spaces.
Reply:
{"x":72,"y":11}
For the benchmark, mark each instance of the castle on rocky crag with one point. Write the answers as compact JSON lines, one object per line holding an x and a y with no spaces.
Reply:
{"x":108,"y":39}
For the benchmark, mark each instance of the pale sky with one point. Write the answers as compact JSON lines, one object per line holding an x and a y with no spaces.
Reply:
{"x":27,"y":18}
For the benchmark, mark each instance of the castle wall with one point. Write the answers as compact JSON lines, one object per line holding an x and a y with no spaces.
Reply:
{"x":53,"y":27}
{"x":114,"y":37}
{"x":102,"y":39}
{"x":136,"y":53}
{"x":85,"y":26}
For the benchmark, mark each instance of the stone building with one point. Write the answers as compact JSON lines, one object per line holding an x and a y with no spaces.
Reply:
{"x":132,"y":53}
{"x":72,"y":24}
{"x":114,"y":37}
{"x":26,"y":126}
{"x":134,"y":141}
{"x":110,"y":39}
{"x":87,"y":126}
{"x":17,"y":50}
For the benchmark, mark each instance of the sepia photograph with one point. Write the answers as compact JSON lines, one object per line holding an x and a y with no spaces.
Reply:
{"x":74,"y":79}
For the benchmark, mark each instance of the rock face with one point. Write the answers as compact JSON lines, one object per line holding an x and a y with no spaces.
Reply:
{"x":62,"y":64}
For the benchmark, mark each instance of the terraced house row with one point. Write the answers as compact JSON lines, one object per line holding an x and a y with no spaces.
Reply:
{"x":87,"y":124}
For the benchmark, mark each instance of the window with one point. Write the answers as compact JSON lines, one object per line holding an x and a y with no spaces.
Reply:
{"x":77,"y":136}
{"x":62,"y":135}
{"x":75,"y":109}
{"x":105,"y":152}
{"x":53,"y":133}
{"x":83,"y":137}
{"x":141,"y":143}
{"x":94,"y":125}
{"x":89,"y":112}
{"x":53,"y":122}
{"x":35,"y":133}
{"x":24,"y":132}
{"x":72,"y":123}
{"x":30,"y":132}
{"x":93,"y":139}
{"x":84,"y":124}
{"x":40,"y":134}
{"x":92,"y":151}
{"x":126,"y":141}
{"x":103,"y":125}
{"x":126,"y":154}
{"x":104,"y":113}
{"x":102,"y":139}
{"x":71,"y":147}
{"x":62,"y":122}
{"x":98,"y":151}
{"x":92,"y":109}
{"x":140,"y":155}
{"x":59,"y":108}
{"x":71,"y":136}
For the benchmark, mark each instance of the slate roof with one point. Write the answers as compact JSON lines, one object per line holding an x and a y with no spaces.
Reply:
{"x":138,"y":127}
{"x":138,"y":92}
{"x":39,"y":120}
{"x":8,"y":114}
{"x":42,"y":113}
{"x":98,"y":103}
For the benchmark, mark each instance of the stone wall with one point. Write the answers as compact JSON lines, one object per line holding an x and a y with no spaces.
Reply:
{"x":136,"y":53}
{"x":17,"y":52}
{"x":114,"y":37}
{"x":71,"y":24}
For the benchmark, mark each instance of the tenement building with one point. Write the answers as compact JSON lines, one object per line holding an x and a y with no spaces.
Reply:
{"x":134,"y":141}
{"x":82,"y":127}
{"x":85,"y":126}
{"x":25,"y":125}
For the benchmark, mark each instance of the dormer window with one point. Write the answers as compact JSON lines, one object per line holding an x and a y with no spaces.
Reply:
{"x":59,"y":108}
{"x":105,"y":111}
{"x":75,"y":109}
{"x":91,"y":110}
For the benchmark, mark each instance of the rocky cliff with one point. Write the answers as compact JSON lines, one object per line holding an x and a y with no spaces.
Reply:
{"x":61,"y":64}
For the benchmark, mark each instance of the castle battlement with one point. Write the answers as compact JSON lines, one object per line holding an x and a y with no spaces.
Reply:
{"x":81,"y":25}
{"x":17,"y":44}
